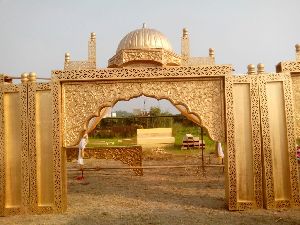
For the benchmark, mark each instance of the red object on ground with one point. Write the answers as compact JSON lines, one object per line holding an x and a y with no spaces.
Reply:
{"x":79,"y":178}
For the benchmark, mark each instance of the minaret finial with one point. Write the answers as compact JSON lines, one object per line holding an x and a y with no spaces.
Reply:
{"x":297,"y":46}
{"x":144,"y":25}
{"x":260,"y":68}
{"x":251,"y":69}
{"x":185,"y":32}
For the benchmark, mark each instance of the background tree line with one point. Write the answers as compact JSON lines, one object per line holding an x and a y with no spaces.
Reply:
{"x":126,"y":124}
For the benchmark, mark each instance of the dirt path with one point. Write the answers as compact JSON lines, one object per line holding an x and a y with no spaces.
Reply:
{"x":168,"y":196}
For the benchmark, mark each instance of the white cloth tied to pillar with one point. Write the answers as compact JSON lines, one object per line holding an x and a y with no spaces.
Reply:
{"x":220,"y":151}
{"x":83,"y":142}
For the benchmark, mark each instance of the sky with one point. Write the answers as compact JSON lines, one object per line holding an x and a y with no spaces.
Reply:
{"x":34,"y":35}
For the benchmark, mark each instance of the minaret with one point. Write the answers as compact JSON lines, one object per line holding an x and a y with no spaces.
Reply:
{"x":90,"y":63}
{"x":67,"y":60}
{"x":92,"y":50}
{"x":185,"y":47}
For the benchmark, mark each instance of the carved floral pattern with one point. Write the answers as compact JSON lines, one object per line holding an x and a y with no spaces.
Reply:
{"x":130,"y":155}
{"x":134,"y":55}
{"x":202,"y":97}
{"x":142,"y":73}
{"x":290,"y":66}
{"x":79,"y":65}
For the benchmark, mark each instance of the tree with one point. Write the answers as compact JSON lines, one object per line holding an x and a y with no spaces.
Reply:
{"x":155,"y":111}
{"x":166,"y":113}
{"x":121,"y":113}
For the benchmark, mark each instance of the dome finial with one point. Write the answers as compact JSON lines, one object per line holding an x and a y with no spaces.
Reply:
{"x":144,"y":25}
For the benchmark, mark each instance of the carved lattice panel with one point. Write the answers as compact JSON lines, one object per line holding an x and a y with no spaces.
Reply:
{"x":130,"y":155}
{"x":280,"y":170}
{"x":43,"y":151}
{"x":290,"y":66}
{"x":14,"y":171}
{"x":243,"y":155}
{"x":32,"y":174}
{"x":296,"y":98}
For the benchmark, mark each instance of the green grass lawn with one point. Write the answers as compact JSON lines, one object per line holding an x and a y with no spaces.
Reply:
{"x":178,"y":131}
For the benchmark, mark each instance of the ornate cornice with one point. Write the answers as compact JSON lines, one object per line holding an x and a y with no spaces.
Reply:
{"x":142,"y":73}
{"x":160,"y":56}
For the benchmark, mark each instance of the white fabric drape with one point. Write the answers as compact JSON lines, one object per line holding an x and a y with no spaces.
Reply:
{"x":220,"y":151}
{"x":83,"y":142}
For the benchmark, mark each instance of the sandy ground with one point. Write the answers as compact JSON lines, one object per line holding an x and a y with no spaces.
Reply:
{"x":161,"y":196}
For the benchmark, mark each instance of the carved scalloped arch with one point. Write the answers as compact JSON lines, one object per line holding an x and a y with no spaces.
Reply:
{"x":180,"y":106}
{"x":201,"y":98}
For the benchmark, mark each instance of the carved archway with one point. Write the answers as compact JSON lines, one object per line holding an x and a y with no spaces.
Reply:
{"x":202,"y":97}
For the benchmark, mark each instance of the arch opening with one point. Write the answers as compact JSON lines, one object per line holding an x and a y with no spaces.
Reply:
{"x":178,"y":107}
{"x":158,"y":183}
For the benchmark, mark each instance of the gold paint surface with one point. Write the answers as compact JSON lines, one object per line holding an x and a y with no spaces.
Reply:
{"x":243,"y":142}
{"x":278,"y":139}
{"x":13,"y":149}
{"x":130,"y":155}
{"x":44,"y":152}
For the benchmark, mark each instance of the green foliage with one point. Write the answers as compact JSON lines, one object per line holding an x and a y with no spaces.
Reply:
{"x":118,"y":128}
{"x":126,"y":127}
{"x":155,"y":111}
{"x":121,"y":113}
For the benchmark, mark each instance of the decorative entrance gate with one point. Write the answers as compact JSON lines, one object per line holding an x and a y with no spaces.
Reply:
{"x":253,"y":114}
